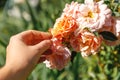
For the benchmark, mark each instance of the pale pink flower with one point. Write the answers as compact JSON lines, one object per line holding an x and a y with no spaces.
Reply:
{"x":91,"y":14}
{"x":86,"y":43}
{"x":72,"y":10}
{"x":58,"y":56}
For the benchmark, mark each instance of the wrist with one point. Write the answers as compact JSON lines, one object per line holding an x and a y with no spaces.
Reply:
{"x":5,"y":73}
{"x":9,"y":73}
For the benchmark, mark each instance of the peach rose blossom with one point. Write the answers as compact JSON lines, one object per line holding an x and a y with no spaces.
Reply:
{"x":64,"y":27}
{"x":86,"y":43}
{"x":58,"y":56}
{"x":91,"y":14}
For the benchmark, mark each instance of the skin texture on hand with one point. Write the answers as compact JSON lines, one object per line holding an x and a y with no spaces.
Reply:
{"x":23,"y":53}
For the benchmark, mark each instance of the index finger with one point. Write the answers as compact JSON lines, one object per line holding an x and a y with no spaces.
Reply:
{"x":33,"y":36}
{"x":35,"y":33}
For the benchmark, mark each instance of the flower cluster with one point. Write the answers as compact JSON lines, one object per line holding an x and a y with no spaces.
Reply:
{"x":82,"y":28}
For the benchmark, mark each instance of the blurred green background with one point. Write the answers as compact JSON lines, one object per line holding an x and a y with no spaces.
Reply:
{"x":20,"y":15}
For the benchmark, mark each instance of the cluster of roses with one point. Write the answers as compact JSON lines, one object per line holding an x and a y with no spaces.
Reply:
{"x":82,"y":28}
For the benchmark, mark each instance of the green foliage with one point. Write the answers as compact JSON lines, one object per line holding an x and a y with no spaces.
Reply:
{"x":103,"y":66}
{"x":114,"y":5}
{"x":108,"y":36}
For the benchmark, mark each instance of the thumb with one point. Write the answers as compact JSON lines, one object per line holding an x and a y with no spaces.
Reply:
{"x":42,"y":46}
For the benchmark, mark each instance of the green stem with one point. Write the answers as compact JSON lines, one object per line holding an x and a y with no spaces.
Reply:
{"x":32,"y":14}
{"x":2,"y":43}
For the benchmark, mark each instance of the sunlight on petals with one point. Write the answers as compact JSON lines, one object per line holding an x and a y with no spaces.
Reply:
{"x":86,"y":43}
{"x":59,"y":57}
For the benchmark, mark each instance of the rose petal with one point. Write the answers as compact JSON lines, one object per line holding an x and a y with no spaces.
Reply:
{"x":86,"y":43}
{"x":60,"y":56}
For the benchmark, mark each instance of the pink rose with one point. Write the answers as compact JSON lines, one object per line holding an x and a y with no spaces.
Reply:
{"x":86,"y":43}
{"x":58,"y":56}
{"x":91,"y":14}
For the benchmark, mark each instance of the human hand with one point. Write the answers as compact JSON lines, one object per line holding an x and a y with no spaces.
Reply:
{"x":23,"y":53}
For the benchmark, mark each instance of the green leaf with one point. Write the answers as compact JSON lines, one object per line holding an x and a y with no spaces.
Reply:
{"x":33,"y":15}
{"x":108,"y":36}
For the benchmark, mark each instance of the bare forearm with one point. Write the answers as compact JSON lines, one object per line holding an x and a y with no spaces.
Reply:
{"x":4,"y":75}
{"x":7,"y":73}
